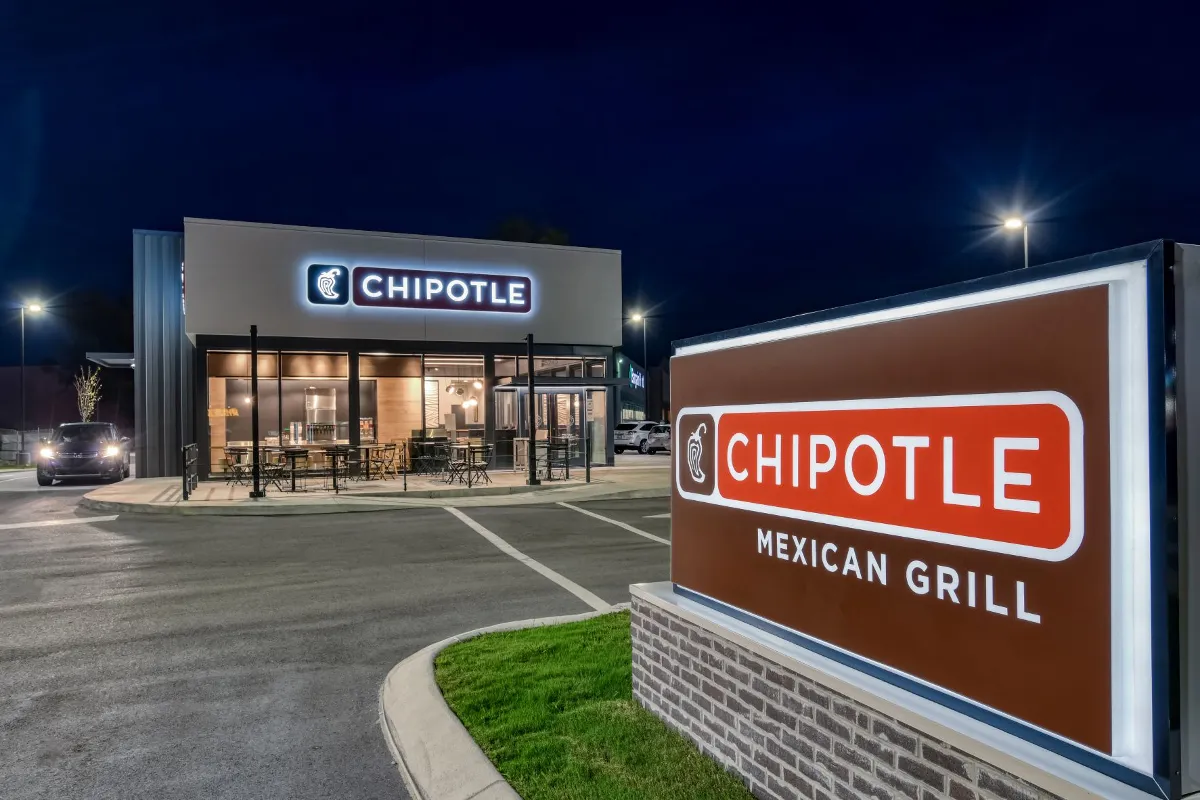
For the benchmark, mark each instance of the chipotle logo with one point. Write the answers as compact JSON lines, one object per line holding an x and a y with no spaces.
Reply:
{"x":997,"y":472}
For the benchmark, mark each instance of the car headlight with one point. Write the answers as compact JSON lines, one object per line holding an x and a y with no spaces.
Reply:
{"x":112,"y":451}
{"x":46,"y":452}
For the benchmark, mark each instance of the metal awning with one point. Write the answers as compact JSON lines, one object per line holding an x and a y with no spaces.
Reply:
{"x":111,"y":360}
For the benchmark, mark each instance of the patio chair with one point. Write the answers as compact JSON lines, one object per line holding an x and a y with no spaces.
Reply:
{"x":456,"y":464}
{"x":237,"y":468}
{"x":479,"y":460}
{"x":383,"y":461}
{"x":271,"y":470}
{"x":557,"y":458}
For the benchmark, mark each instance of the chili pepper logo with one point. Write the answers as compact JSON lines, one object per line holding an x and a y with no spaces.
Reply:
{"x":695,"y":449}
{"x":327,"y":284}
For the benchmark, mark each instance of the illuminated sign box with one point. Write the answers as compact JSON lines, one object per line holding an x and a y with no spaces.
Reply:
{"x":335,"y":284}
{"x":963,"y":495}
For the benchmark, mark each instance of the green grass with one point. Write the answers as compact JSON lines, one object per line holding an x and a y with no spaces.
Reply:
{"x":14,"y":467}
{"x":553,"y":709}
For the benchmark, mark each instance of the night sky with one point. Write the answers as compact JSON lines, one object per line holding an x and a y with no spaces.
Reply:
{"x":749,"y":166}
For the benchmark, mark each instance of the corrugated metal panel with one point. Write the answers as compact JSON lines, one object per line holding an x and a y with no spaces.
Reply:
{"x":163,"y":385}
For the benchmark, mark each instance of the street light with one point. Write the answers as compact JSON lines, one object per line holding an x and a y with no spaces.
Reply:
{"x":1012,"y":224}
{"x":639,"y":317}
{"x":32,"y":308}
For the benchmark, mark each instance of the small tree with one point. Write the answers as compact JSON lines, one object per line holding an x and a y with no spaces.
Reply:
{"x":87,"y":392}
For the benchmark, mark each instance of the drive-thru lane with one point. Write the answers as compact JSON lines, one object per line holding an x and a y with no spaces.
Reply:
{"x":153,"y":656}
{"x":603,"y":557}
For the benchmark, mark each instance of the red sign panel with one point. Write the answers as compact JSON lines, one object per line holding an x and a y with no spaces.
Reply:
{"x":997,"y":472}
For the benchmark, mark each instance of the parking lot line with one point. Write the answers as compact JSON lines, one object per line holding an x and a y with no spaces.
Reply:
{"x":571,"y":586}
{"x":46,"y":523}
{"x":658,"y":516}
{"x":618,"y":523}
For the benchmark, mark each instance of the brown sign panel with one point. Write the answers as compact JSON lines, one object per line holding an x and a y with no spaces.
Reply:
{"x":931,"y":493}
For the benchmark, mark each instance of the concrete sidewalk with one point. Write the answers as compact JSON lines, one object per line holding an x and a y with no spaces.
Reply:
{"x":165,"y":495}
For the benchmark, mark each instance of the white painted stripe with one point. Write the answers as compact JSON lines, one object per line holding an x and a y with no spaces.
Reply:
{"x":659,"y":516}
{"x":504,"y":547}
{"x":47,"y":523}
{"x":28,"y":474}
{"x":618,"y":523}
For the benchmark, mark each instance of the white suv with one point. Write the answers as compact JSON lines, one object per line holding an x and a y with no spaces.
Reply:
{"x":633,"y":436}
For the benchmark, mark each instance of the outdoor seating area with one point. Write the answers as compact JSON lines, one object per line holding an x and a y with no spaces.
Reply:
{"x":337,"y":467}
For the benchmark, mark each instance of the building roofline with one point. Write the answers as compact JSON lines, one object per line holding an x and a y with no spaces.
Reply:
{"x":388,"y":235}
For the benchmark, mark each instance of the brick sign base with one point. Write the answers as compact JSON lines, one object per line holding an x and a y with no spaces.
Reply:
{"x":787,"y":736}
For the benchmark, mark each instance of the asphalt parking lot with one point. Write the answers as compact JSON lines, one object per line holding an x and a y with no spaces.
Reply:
{"x":175,"y":657}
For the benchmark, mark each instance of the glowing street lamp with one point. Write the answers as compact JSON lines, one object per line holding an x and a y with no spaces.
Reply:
{"x":637,"y":316}
{"x":1015,"y":223}
{"x":32,"y":308}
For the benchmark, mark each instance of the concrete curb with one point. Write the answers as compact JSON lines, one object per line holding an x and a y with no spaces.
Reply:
{"x":436,"y":756}
{"x":515,"y":495}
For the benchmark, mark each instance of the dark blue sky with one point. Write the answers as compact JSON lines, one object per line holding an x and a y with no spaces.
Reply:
{"x":749,"y":165}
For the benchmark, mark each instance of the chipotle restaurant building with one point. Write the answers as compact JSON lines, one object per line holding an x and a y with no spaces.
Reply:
{"x":368,"y":337}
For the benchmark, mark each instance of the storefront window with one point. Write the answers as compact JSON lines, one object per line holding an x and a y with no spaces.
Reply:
{"x":316,"y":398}
{"x":506,"y":366}
{"x":568,"y":367}
{"x":229,"y":403}
{"x":455,"y":399}
{"x":557,"y":367}
{"x":390,"y":404}
{"x":597,"y":420}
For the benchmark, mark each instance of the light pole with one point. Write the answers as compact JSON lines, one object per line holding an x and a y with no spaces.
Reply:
{"x":637,"y":317}
{"x":32,"y":308}
{"x":1012,"y":223}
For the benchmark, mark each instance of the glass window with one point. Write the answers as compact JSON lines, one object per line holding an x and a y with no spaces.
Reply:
{"x":229,"y":403}
{"x":595,"y":367}
{"x":316,"y":398}
{"x":597,"y":419}
{"x":390,"y":406}
{"x":455,"y":396}
{"x":626,"y":426}
{"x":569,"y":367}
{"x":507,"y":410}
{"x":506,"y":366}
{"x":390,"y":397}
{"x":83,"y":434}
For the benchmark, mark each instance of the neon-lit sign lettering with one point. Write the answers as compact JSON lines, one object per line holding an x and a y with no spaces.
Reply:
{"x":419,"y":288}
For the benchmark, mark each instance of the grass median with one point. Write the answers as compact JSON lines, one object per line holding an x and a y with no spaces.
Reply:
{"x":553,"y":709}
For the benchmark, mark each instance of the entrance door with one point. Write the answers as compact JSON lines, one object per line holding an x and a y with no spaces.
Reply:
{"x":597,"y":426}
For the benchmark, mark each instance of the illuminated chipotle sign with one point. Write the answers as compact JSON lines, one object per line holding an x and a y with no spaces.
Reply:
{"x":338,"y":285}
{"x":947,"y":495}
{"x":1000,"y":472}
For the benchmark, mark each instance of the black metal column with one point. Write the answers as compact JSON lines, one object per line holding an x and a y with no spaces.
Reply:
{"x":533,"y":478}
{"x":354,"y":435}
{"x":257,"y":491}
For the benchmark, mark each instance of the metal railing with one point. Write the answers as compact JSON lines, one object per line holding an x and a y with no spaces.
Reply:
{"x":191,"y":473}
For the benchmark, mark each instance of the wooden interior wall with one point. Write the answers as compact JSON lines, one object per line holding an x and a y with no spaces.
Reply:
{"x":216,"y":425}
{"x":399,"y":410}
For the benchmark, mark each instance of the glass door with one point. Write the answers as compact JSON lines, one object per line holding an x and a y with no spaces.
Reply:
{"x":596,"y":417}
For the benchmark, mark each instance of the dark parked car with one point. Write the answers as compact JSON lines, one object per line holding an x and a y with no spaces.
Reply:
{"x":83,"y":450}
